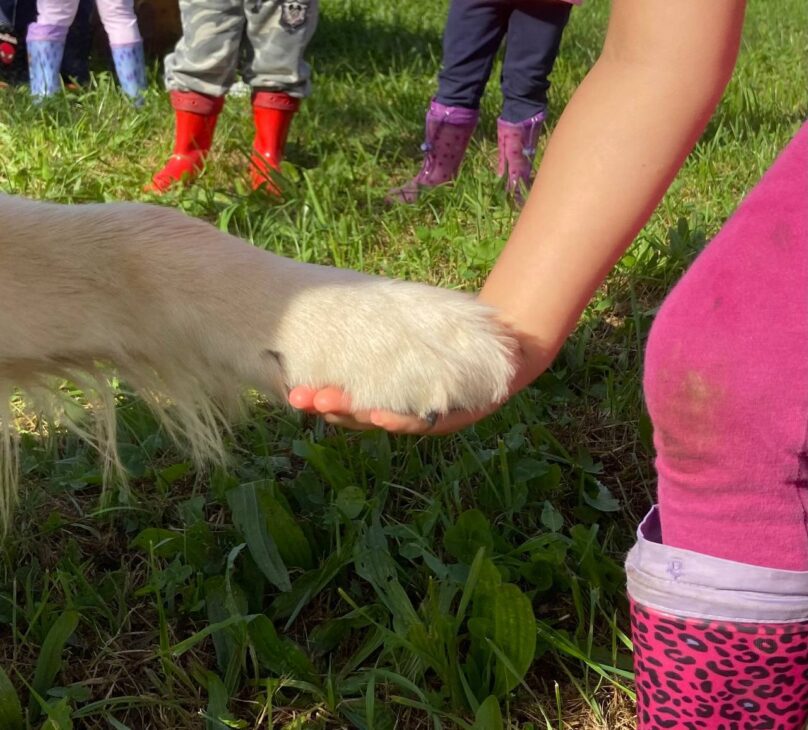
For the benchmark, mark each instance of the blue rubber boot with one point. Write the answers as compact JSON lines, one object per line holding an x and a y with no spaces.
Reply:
{"x":44,"y":62}
{"x":130,"y":65}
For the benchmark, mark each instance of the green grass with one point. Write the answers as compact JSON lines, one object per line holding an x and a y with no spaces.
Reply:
{"x":421,"y":571}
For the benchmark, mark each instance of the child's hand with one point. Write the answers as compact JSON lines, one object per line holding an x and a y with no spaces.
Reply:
{"x":335,"y":407}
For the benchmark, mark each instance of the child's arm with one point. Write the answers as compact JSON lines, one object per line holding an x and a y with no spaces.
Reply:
{"x":614,"y":152}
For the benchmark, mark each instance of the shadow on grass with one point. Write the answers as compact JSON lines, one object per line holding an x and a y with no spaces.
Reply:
{"x":750,"y":122}
{"x":352,"y":45}
{"x":352,"y":56}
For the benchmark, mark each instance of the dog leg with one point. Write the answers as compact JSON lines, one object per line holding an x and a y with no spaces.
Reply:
{"x":191,"y":316}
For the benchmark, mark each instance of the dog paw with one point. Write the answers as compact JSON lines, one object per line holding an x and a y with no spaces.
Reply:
{"x":397,"y":346}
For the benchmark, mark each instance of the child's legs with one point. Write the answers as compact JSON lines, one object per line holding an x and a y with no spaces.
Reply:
{"x":120,"y":23}
{"x":726,"y":383}
{"x":206,"y":57}
{"x":473,"y":33}
{"x":718,"y":577}
{"x":54,"y":18}
{"x":278,"y":34}
{"x":534,"y":36}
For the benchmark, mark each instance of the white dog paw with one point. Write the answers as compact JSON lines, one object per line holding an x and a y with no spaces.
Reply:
{"x":403,"y":347}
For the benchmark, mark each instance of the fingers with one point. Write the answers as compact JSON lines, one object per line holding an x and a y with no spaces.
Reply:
{"x":333,"y":400}
{"x":355,"y":423}
{"x":302,"y":398}
{"x":397,"y":423}
{"x":335,"y":408}
{"x":330,"y":403}
{"x":319,"y":400}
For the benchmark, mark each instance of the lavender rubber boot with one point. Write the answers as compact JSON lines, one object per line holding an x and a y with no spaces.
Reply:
{"x":46,"y":47}
{"x":517,"y":150}
{"x":448,"y":132}
{"x":130,"y":66}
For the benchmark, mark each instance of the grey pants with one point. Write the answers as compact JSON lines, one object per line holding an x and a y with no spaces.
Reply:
{"x":263,"y":39}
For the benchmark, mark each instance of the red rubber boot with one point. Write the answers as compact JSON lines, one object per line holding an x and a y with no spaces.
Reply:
{"x":196,"y":117}
{"x":272,"y":113}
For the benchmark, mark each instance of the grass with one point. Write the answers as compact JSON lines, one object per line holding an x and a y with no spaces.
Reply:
{"x":422,"y":571}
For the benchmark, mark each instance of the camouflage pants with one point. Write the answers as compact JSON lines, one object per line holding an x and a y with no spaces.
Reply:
{"x":263,"y":39}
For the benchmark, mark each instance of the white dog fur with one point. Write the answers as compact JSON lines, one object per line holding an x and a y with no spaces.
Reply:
{"x":190,"y":317}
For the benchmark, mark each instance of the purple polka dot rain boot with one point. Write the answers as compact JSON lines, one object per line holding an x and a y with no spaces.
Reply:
{"x":448,"y":132}
{"x":130,"y":65}
{"x":517,"y":150}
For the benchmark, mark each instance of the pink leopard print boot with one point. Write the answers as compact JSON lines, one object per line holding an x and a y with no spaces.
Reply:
{"x":718,"y":645}
{"x":448,"y":132}
{"x":517,"y":150}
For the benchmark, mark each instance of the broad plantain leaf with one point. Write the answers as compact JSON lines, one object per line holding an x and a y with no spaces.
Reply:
{"x":50,"y":657}
{"x":278,"y":654}
{"x":10,"y":707}
{"x":292,"y":544}
{"x":467,"y":535}
{"x":245,"y":503}
{"x":488,"y":716}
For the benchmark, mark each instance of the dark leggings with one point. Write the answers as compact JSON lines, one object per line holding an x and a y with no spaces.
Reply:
{"x":473,"y":34}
